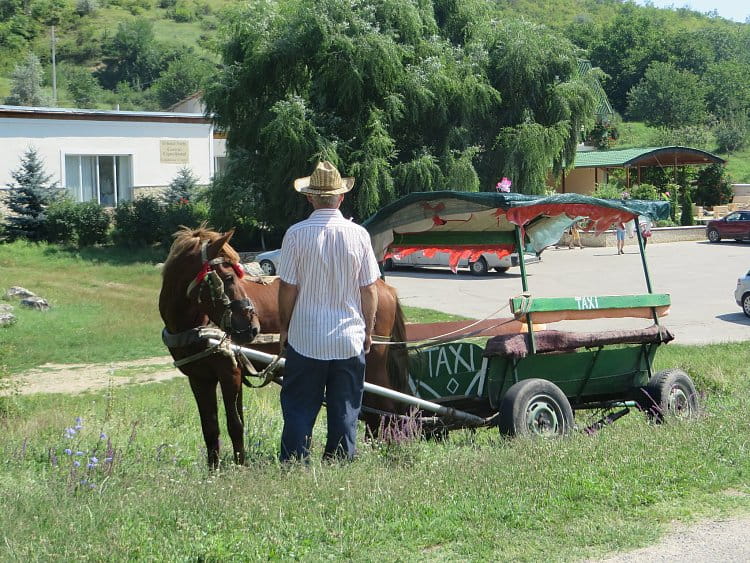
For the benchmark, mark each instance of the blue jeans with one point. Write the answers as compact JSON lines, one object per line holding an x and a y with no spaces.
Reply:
{"x":307,"y":382}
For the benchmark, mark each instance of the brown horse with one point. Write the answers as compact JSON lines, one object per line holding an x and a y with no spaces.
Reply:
{"x":203,"y":283}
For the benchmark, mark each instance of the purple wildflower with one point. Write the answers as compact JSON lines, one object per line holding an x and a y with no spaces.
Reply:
{"x":79,"y":453}
{"x":102,"y":436}
{"x":68,"y":451}
{"x":76,"y":463}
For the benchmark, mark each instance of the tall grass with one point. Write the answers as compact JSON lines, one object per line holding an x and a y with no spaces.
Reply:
{"x":140,"y":489}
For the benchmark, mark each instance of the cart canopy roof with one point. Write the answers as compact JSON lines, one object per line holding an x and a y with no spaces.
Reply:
{"x":474,"y":221}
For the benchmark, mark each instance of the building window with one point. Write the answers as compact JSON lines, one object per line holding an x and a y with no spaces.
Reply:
{"x":106,"y":179}
{"x":220,"y":166}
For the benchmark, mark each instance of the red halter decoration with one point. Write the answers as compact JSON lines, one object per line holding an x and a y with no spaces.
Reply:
{"x":208,"y":266}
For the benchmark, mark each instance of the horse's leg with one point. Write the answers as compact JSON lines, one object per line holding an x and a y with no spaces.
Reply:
{"x":204,"y":392}
{"x":376,"y":372}
{"x":231,"y":390}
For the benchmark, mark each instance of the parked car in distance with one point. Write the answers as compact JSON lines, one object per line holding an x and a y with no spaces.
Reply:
{"x":735,"y":226}
{"x":479,"y":268}
{"x":269,"y":261}
{"x":742,"y":293}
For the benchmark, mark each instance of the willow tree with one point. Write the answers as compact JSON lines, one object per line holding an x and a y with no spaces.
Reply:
{"x":546,"y":103}
{"x":405,"y":95}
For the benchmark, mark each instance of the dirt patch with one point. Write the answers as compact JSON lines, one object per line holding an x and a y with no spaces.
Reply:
{"x":78,"y":378}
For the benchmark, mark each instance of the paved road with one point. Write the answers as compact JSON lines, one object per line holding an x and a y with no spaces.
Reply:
{"x":701,"y":277}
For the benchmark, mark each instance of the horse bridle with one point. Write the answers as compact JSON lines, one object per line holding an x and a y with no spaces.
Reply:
{"x":211,"y":278}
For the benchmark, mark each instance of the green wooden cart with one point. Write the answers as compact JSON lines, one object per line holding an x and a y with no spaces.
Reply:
{"x":533,"y":381}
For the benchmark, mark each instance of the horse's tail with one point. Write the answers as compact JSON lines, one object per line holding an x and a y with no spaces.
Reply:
{"x":397,"y":361}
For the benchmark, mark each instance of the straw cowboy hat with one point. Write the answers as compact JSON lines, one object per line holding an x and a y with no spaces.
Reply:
{"x":325,"y":180}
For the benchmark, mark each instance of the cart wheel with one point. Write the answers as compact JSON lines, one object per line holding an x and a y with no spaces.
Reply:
{"x":669,"y":392}
{"x":535,"y":407}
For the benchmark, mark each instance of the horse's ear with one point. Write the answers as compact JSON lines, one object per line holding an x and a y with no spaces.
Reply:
{"x":215,"y":247}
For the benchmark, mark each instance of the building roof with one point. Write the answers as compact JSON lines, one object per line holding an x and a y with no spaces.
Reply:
{"x":650,"y":156}
{"x":100,"y":114}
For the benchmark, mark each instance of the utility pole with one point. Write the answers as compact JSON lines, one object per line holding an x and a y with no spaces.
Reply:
{"x":54,"y":70}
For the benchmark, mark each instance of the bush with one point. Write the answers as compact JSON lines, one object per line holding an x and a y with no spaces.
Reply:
{"x":686,"y":208}
{"x":180,"y":214}
{"x":608,"y":191}
{"x":85,"y":223}
{"x":644,"y":191}
{"x":697,"y":136}
{"x":92,"y":223}
{"x":732,"y":133}
{"x":181,"y":12}
{"x":672,"y":192}
{"x":713,"y":186}
{"x":138,"y":223}
{"x":60,"y":222}
{"x":603,"y":136}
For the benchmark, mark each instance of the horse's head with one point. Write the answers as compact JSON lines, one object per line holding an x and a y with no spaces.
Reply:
{"x":216,"y":288}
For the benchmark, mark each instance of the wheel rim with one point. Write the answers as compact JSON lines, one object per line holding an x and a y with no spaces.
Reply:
{"x":543,"y":418}
{"x":678,"y":402}
{"x":746,"y":305}
{"x":267,"y":268}
{"x":713,"y":235}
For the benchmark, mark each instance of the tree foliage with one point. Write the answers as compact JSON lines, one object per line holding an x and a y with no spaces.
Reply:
{"x":26,"y":84}
{"x":668,"y":97}
{"x":403,"y":95}
{"x":31,"y":192}
{"x":183,"y":76}
{"x":182,"y":188}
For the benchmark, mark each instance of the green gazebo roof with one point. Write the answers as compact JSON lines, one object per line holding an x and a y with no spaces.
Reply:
{"x":650,"y":156}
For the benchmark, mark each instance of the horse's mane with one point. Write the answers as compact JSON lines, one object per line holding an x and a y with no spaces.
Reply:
{"x":188,"y":241}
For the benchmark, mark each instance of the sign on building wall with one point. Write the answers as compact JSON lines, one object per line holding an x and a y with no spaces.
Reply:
{"x":173,"y":151}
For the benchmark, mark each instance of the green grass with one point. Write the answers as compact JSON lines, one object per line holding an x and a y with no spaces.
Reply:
{"x":475,"y":497}
{"x":738,"y":165}
{"x":634,"y":134}
{"x":103,"y":305}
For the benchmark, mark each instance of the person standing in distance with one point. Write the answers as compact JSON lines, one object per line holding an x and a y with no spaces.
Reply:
{"x":327,"y":305}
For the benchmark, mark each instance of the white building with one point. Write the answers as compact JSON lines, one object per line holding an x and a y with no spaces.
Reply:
{"x":109,"y":156}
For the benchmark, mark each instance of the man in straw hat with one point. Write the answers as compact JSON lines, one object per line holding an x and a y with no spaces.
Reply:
{"x":327,"y":304}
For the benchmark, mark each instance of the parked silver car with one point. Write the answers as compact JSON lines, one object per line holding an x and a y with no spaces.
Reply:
{"x":480,"y":267}
{"x":742,"y":293}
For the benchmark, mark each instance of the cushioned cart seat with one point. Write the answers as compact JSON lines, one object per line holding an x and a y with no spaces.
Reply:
{"x":517,"y":345}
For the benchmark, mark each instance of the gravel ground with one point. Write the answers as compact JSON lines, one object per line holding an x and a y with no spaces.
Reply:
{"x":717,"y":540}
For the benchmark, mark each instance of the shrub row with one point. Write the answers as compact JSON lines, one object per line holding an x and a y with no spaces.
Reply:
{"x":142,"y":222}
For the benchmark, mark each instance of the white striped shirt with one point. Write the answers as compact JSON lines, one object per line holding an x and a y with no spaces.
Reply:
{"x":328,"y":258}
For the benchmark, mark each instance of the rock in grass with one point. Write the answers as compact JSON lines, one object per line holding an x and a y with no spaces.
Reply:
{"x":35,"y":303}
{"x":20,"y":292}
{"x":5,"y":308}
{"x":7,"y":319}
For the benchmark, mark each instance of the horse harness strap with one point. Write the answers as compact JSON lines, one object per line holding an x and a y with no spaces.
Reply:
{"x":195,"y":336}
{"x":202,"y":334}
